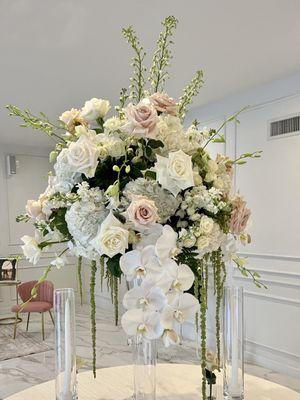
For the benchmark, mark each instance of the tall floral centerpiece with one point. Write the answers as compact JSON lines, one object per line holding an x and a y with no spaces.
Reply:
{"x":138,"y":195}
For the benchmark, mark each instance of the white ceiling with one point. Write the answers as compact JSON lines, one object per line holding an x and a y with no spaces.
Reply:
{"x":56,"y":54}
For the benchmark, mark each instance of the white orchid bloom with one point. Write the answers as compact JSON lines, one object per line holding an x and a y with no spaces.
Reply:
{"x":166,"y":244}
{"x":145,"y":323}
{"x":31,"y":249}
{"x":180,"y":309}
{"x":170,"y":337}
{"x":182,"y":277}
{"x":136,"y":264}
{"x":59,"y":262}
{"x":148,"y":296}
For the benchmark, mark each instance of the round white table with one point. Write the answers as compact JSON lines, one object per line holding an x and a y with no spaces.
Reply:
{"x":174,"y":382}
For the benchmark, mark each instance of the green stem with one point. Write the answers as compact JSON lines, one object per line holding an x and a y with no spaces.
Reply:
{"x":93,"y":312}
{"x":231,"y":118}
{"x":45,"y":244}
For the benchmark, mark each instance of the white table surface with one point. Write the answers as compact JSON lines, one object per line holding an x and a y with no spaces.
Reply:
{"x":174,"y":382}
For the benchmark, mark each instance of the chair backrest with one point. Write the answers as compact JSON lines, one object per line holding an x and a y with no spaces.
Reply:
{"x":44,"y":291}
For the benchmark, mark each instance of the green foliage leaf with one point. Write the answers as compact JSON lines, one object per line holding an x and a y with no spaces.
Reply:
{"x":148,"y":151}
{"x":113,"y":265}
{"x":58,"y":221}
{"x":155,"y":144}
{"x":210,"y":377}
{"x":150,"y":174}
{"x":220,"y":139}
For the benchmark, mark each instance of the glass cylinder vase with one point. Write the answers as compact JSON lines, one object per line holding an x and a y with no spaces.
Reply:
{"x":233,"y":343}
{"x":65,"y":347}
{"x":144,"y":368}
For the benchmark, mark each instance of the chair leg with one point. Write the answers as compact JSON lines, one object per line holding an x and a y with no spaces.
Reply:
{"x":43,"y":326}
{"x":51,"y":317}
{"x":27,"y":325}
{"x":15,"y":326}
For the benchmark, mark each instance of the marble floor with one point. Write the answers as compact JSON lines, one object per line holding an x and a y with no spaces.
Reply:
{"x":112,"y":349}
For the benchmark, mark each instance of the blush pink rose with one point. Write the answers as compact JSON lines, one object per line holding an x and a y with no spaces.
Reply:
{"x":240,"y":216}
{"x":72,"y":118}
{"x":34,"y":209}
{"x":163,"y":103}
{"x":142,"y":212}
{"x":142,"y":120}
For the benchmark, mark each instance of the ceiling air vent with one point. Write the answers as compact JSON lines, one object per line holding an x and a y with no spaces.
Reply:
{"x":284,"y":127}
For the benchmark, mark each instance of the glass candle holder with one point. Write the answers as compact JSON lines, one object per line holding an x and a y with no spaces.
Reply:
{"x":65,"y":347}
{"x":144,"y":364}
{"x":233,"y":343}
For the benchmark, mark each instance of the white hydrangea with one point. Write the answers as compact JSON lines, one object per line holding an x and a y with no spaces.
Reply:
{"x":83,"y":220}
{"x":172,"y":134}
{"x":65,"y":178}
{"x":88,"y":194}
{"x":110,"y":145}
{"x":199,"y":197}
{"x":165,"y":202}
{"x":113,"y":124}
{"x":206,"y":241}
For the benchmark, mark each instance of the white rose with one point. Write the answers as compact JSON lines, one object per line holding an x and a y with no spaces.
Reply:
{"x":94,"y":109}
{"x":81,"y":130}
{"x":197,"y":178}
{"x":202,"y":242}
{"x":190,"y":241}
{"x":175,"y":173}
{"x":111,"y":239}
{"x":82,"y":156}
{"x":211,"y":166}
{"x":116,"y":148}
{"x":34,"y":209}
{"x":113,"y":124}
{"x":103,"y":152}
{"x":206,"y":225}
{"x":209,"y":177}
{"x":31,"y":249}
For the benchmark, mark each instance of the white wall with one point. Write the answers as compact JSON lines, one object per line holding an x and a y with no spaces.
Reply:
{"x":28,"y":183}
{"x":271,"y":185}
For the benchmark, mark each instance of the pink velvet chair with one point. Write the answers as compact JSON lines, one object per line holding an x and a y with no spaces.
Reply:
{"x":41,"y":304}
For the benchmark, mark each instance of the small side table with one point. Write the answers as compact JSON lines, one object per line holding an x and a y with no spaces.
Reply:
{"x":11,"y":320}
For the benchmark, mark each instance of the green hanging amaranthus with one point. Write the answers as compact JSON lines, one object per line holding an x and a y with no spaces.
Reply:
{"x":79,"y":276}
{"x":93,"y":311}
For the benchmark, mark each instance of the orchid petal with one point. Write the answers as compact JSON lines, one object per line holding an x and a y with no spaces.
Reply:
{"x":166,"y":243}
{"x":146,"y":323}
{"x":170,"y":337}
{"x":153,"y":325}
{"x":185,"y":277}
{"x":129,"y":262}
{"x":131,"y":320}
{"x":188,"y":305}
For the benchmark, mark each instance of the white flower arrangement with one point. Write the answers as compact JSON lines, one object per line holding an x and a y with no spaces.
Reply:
{"x":142,"y":194}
